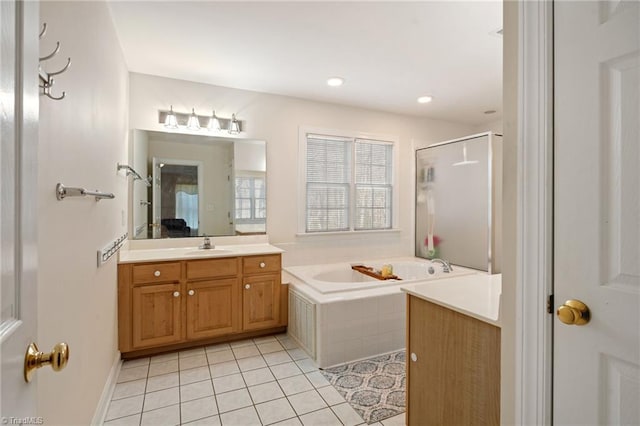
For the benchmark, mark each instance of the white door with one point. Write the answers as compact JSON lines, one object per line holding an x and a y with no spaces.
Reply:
{"x":597,"y":211}
{"x":18,"y":191}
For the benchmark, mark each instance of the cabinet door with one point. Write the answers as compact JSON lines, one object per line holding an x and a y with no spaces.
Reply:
{"x":453,"y":367}
{"x":156,"y":315}
{"x":261,"y":301}
{"x":212,"y":308}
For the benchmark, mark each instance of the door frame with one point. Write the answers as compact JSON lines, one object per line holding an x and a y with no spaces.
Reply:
{"x":533,"y":331}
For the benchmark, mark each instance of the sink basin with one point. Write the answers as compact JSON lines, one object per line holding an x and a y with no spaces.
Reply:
{"x":207,"y":252}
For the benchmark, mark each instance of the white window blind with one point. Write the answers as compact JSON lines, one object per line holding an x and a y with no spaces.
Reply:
{"x":349,"y":184}
{"x":251,"y":200}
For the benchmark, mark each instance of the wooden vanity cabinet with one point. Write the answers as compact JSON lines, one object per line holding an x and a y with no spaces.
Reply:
{"x":166,"y":305}
{"x":261,"y":292}
{"x":453,"y":367}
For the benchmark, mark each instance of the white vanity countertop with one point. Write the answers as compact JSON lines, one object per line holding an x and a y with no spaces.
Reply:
{"x":477,"y":296}
{"x":184,"y":253}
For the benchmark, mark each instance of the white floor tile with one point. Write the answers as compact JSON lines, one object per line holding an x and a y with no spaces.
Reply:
{"x":265,"y":392}
{"x":125,"y":421}
{"x":289,"y":422}
{"x":240,"y":343}
{"x":295,"y":384}
{"x":194,"y":375}
{"x":220,"y":356}
{"x":288,"y":343}
{"x":347,"y":415}
{"x":168,"y":416}
{"x":166,"y":367}
{"x":264,"y":339}
{"x":134,"y":373}
{"x":193,"y":362}
{"x":306,"y":402}
{"x":398,"y":420}
{"x":162,"y":382}
{"x":297,"y":353}
{"x":218,"y":347}
{"x":191,"y":352}
{"x":256,"y":377}
{"x":275,"y":411}
{"x":198,"y":409}
{"x":274,"y":358}
{"x":269,"y":347}
{"x":331,"y":395}
{"x":209,"y":421}
{"x":246,"y":351}
{"x":323,"y":417}
{"x":317,"y":379}
{"x":233,"y":400}
{"x":161,"y":399}
{"x":244,"y":417}
{"x":127,"y":389}
{"x":285,"y":370}
{"x":124,"y":407}
{"x":196,"y":390}
{"x":224,"y":369}
{"x":307,"y":365}
{"x":140,"y":362}
{"x":164,"y":357}
{"x":228,"y":383}
{"x":251,"y":363}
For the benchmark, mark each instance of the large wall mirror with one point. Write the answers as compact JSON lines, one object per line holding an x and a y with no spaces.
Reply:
{"x":200,"y":185}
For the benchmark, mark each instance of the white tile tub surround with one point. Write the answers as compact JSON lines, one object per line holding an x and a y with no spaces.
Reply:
{"x":363,"y":318}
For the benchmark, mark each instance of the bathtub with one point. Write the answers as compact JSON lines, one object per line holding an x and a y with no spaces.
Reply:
{"x":339,"y":315}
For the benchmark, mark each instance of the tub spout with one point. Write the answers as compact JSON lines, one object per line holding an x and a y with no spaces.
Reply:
{"x":446,"y":267}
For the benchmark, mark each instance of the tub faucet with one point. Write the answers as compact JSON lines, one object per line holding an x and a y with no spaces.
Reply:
{"x":446,"y":267}
{"x":207,"y":244}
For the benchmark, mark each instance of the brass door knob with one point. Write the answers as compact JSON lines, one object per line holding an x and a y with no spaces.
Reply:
{"x":35,"y":359}
{"x":574,"y":312}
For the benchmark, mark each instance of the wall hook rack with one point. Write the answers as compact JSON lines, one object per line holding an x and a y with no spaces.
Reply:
{"x":63,"y":192}
{"x":46,"y":78}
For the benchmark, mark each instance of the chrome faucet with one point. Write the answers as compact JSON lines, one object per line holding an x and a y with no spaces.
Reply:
{"x":207,"y":244}
{"x":446,"y":267}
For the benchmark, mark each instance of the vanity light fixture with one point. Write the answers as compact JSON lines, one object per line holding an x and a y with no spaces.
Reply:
{"x":214,"y":123}
{"x":193,"y":123}
{"x":234,"y":125}
{"x":425,"y":99}
{"x":170,"y":121}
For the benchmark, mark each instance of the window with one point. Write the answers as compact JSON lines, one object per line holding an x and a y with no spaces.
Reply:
{"x":348,"y":184}
{"x":251,"y":200}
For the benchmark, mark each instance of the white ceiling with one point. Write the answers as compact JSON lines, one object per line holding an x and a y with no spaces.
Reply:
{"x":389,"y":53}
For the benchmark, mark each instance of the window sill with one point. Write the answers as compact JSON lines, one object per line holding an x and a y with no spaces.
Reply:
{"x":348,"y":233}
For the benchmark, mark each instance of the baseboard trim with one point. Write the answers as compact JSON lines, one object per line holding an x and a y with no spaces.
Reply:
{"x":107,"y":392}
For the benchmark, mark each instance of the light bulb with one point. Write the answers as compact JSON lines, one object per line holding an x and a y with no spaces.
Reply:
{"x":234,"y":126}
{"x":193,"y":123}
{"x":214,"y":123}
{"x":170,"y":121}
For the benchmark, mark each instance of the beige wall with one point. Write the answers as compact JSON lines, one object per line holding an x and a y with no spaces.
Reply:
{"x":509,"y":210}
{"x":491,"y":126}
{"x":81,"y":139}
{"x":277,"y":119}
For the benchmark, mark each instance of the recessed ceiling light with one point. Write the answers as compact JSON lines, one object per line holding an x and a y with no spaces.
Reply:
{"x":425,"y":99}
{"x":335,"y":81}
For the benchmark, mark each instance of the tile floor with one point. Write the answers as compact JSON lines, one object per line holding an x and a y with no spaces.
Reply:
{"x":262,"y":381}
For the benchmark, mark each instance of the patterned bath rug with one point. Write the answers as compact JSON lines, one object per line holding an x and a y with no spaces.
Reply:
{"x":374,"y":387}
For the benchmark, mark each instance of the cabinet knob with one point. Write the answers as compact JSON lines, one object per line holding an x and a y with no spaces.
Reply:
{"x":192,"y":292}
{"x":247,"y":286}
{"x":414,"y":357}
{"x":262,"y":264}
{"x":156,"y":273}
{"x":176,"y":294}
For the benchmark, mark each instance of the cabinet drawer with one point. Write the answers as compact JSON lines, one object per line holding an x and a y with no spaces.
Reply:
{"x":261,"y":264}
{"x":156,"y":272}
{"x":212,"y":268}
